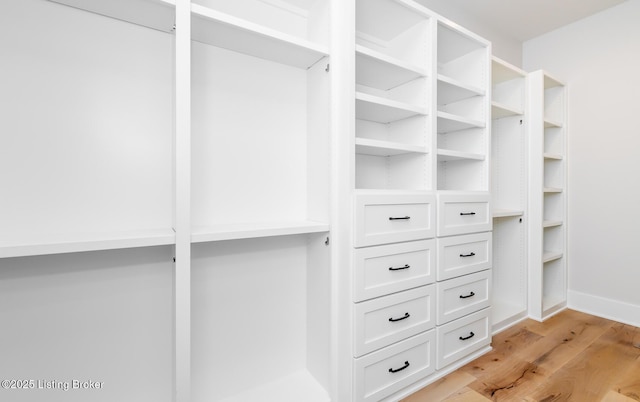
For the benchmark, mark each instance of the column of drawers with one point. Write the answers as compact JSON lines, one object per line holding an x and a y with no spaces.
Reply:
{"x":463,"y":275}
{"x":394,"y":291}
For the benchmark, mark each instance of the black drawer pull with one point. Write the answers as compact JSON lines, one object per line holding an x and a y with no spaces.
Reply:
{"x":467,"y":296}
{"x":406,"y":315}
{"x":467,"y":255}
{"x":467,"y":213}
{"x":471,"y":335}
{"x":406,"y":266}
{"x":403,"y":218}
{"x":406,"y":364}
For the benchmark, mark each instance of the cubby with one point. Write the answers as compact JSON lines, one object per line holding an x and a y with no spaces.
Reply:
{"x":547,"y":195}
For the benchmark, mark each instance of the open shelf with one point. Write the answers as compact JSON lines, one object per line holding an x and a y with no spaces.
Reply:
{"x":238,"y":231}
{"x":548,"y":256}
{"x":21,"y":246}
{"x":551,"y":223}
{"x":232,"y":33}
{"x":552,"y":190}
{"x":552,"y":156}
{"x":451,"y":90}
{"x":500,"y":110}
{"x":299,"y":386}
{"x":448,"y":122}
{"x":502,"y":310}
{"x":365,"y":146}
{"x":507,"y":213}
{"x":449,"y":155}
{"x":551,"y":123}
{"x":382,"y":110}
{"x":502,"y":71}
{"x":378,"y":70}
{"x":156,"y":14}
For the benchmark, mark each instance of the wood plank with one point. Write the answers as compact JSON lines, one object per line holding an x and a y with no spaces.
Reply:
{"x":613,"y":396}
{"x":590,"y":375}
{"x":467,"y":395}
{"x":442,"y":388}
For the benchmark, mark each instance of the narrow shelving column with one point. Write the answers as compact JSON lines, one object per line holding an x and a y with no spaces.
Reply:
{"x":547,"y":195}
{"x":509,"y":192}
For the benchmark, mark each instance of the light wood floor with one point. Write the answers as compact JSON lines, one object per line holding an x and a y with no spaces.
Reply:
{"x":570,"y":357}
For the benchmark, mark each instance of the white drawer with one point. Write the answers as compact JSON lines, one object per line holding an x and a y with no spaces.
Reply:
{"x":388,"y":370}
{"x":383,"y":321}
{"x":462,"y":255}
{"x":392,"y":268}
{"x":462,"y":337}
{"x":464,"y":295}
{"x":393,"y":218}
{"x":460,"y":213}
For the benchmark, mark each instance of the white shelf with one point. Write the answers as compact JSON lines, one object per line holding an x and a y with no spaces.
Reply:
{"x":236,"y":231}
{"x":299,"y":386}
{"x":449,"y":155}
{"x":548,"y":256}
{"x":502,"y":310}
{"x":551,"y":303}
{"x":550,"y":224}
{"x":22,"y":245}
{"x":365,"y":146}
{"x":382,"y":110}
{"x":506,"y":213}
{"x":501,"y":71}
{"x":377,"y":70}
{"x":552,"y":190}
{"x":156,"y":14}
{"x":451,"y":90}
{"x":448,"y":122}
{"x":500,"y":110}
{"x":552,"y":156}
{"x":229,"y":32}
{"x":550,"y":123}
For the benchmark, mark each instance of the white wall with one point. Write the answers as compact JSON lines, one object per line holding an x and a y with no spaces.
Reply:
{"x":599,"y":58}
{"x":504,"y":46}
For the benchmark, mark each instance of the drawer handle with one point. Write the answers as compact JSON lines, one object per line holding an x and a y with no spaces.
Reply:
{"x":406,"y":315}
{"x":467,"y":255}
{"x":467,"y":213}
{"x":406,"y":364}
{"x":406,"y":266}
{"x":402,"y":218}
{"x":471,"y":335}
{"x":467,"y":296}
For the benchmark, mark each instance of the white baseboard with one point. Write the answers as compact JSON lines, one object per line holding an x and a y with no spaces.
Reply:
{"x":606,"y":308}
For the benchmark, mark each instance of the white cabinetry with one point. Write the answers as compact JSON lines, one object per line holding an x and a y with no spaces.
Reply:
{"x":547,"y":195}
{"x":509,"y":191}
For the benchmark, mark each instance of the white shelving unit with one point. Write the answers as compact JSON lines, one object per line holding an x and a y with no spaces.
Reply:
{"x":393,"y":96}
{"x":509,"y":191}
{"x":547,"y":196}
{"x":463,"y":108}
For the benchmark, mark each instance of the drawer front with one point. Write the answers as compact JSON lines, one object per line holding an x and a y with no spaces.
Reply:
{"x":464,"y":295}
{"x":392,"y":268}
{"x":383,"y":321}
{"x":393,"y":218}
{"x":462,"y":255}
{"x":462,"y":337}
{"x":388,"y":370}
{"x":463,"y":213}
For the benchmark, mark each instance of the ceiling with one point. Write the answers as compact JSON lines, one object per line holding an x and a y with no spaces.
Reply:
{"x":521,"y":19}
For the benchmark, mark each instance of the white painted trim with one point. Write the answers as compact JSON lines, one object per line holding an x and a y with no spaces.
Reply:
{"x":616,"y":310}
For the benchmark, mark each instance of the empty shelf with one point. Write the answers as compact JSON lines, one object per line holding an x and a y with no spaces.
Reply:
{"x":548,"y":256}
{"x":448,"y":122}
{"x":382,"y":110}
{"x":235,"y":231}
{"x":552,"y":190}
{"x":449,"y":155}
{"x":506,"y":213}
{"x":299,"y":386}
{"x":502,"y":71}
{"x":552,"y":156}
{"x":500,"y":110}
{"x":550,"y":223}
{"x":229,"y":32}
{"x":21,"y":246}
{"x":550,"y":123}
{"x":377,"y":70}
{"x":451,"y":90}
{"x":366,"y":146}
